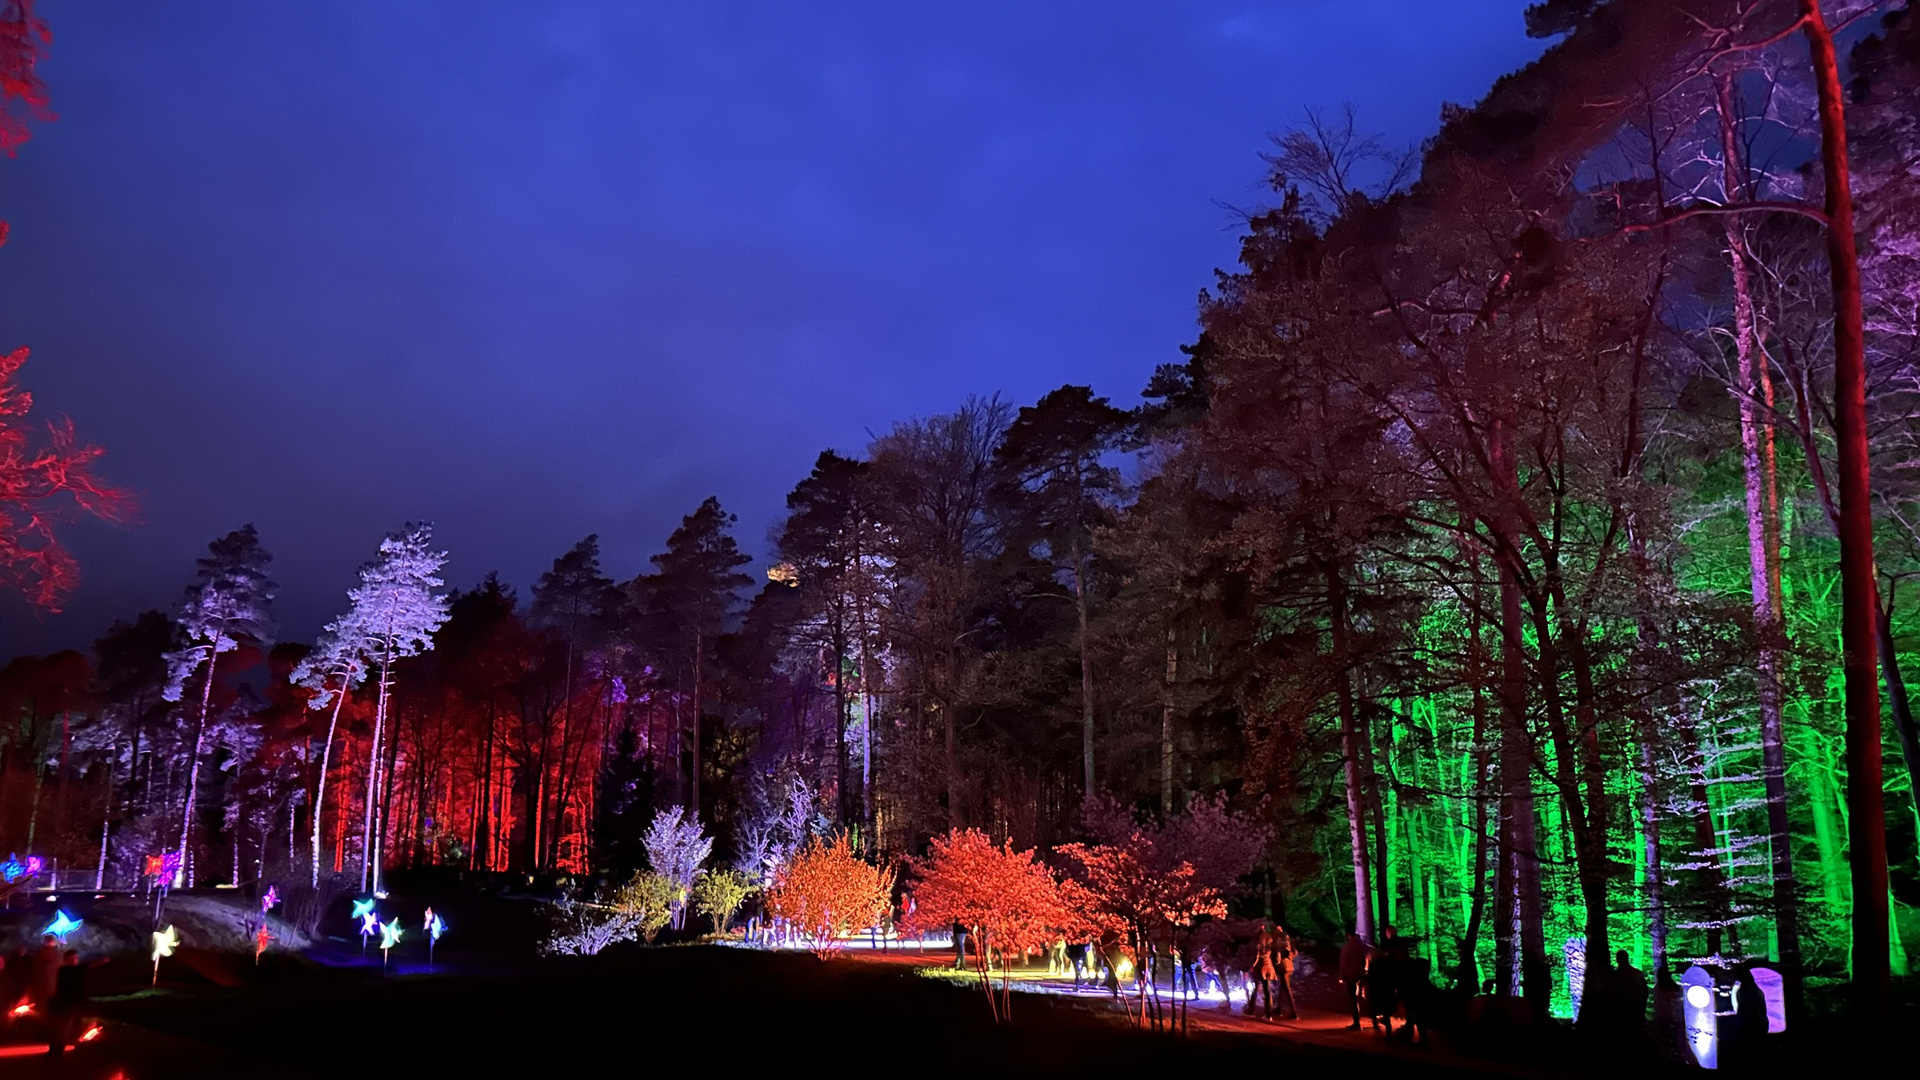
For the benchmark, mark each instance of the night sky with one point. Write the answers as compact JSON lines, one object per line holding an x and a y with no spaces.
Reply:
{"x":535,"y":270}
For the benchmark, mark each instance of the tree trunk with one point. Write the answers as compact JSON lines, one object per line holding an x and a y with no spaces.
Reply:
{"x":367,"y":872}
{"x":320,"y":789}
{"x":193,"y":774}
{"x":1086,"y":672}
{"x":1866,"y":811}
{"x":1166,"y":725}
{"x":699,"y":670}
{"x":1757,"y":455}
{"x":1351,"y":750}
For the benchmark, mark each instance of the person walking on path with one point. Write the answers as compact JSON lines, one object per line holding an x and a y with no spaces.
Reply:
{"x":1265,"y":972}
{"x":1353,"y":969}
{"x":68,"y":1001}
{"x":1283,"y":956}
{"x":959,"y":945}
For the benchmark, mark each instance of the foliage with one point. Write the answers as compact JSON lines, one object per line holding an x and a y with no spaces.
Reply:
{"x":42,"y":482}
{"x":676,"y":849}
{"x":650,"y":900}
{"x":826,"y":892}
{"x":1008,"y":901}
{"x":718,"y":894}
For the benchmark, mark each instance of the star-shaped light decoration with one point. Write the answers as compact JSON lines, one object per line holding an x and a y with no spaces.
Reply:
{"x":62,"y":925}
{"x":389,"y":937}
{"x":435,"y":927}
{"x":268,"y":901}
{"x":163,"y":943}
{"x":260,"y":939}
{"x":368,"y":924}
{"x":362,"y":908}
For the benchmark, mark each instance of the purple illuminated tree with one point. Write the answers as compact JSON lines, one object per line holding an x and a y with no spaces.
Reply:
{"x":677,"y":847}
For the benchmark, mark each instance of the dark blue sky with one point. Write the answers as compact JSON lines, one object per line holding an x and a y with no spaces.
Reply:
{"x":534,"y":270}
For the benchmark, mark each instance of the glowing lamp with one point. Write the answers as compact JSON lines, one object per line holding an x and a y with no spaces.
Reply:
{"x":90,"y":1034}
{"x":1702,"y":1025}
{"x":62,"y":925}
{"x":25,"y":1008}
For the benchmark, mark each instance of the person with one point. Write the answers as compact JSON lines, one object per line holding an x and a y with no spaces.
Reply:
{"x":46,"y":968}
{"x":1265,"y":972}
{"x":1669,"y":1019}
{"x":1283,"y":952}
{"x":1383,"y":984}
{"x":1353,"y":969}
{"x":959,"y":945}
{"x":1630,"y":991}
{"x":1077,"y":956}
{"x":69,"y":999}
{"x":1748,"y":1031}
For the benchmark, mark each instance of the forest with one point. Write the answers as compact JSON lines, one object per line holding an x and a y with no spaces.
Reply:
{"x":1510,"y":543}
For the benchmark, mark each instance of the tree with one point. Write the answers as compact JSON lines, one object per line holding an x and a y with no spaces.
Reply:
{"x":393,"y":613}
{"x":576,"y":602}
{"x":832,"y":543}
{"x":1056,"y":475}
{"x":689,"y":599}
{"x":827,"y":893}
{"x":228,"y":607}
{"x":332,"y":670}
{"x":1008,"y":901}
{"x":717,"y":894}
{"x":676,"y":848}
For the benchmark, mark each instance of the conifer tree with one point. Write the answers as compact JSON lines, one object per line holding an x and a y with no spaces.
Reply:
{"x":228,"y":607}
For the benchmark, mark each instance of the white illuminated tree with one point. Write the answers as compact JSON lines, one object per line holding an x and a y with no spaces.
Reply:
{"x":677,"y":847}
{"x":229,"y":605}
{"x":337,"y":664}
{"x":391,"y":614}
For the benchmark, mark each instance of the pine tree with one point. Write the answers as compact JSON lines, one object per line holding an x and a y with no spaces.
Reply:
{"x":689,"y":600}
{"x":391,"y":614}
{"x":227,"y":608}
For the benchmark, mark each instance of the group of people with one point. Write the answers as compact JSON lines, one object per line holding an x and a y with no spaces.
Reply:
{"x":1383,"y":980}
{"x":52,"y":984}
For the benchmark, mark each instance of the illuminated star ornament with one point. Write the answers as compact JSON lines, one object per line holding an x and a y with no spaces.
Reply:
{"x":163,"y":944}
{"x":435,"y":927}
{"x":389,"y":937}
{"x":260,"y":940}
{"x":62,"y":925}
{"x":362,"y":908}
{"x":268,"y":901}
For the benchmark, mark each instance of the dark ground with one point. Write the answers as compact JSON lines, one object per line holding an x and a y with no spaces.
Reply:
{"x":489,"y":1010}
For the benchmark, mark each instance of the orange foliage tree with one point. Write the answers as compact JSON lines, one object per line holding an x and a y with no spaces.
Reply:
{"x":826,"y":892}
{"x":1134,"y":883}
{"x":1007,"y":900}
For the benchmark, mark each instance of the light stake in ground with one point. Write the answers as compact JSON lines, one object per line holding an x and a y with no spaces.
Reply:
{"x":163,"y":944}
{"x":260,"y":939}
{"x":62,"y":925}
{"x":435,"y":927}
{"x":389,"y":937}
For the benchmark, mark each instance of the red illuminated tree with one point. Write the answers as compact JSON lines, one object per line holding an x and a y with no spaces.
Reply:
{"x":1007,"y":900}
{"x":41,"y":481}
{"x":828,"y":892}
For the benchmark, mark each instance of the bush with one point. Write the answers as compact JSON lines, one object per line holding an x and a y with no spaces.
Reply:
{"x":717,"y":894}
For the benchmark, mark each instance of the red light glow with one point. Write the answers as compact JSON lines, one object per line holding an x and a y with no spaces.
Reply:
{"x":90,"y":1034}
